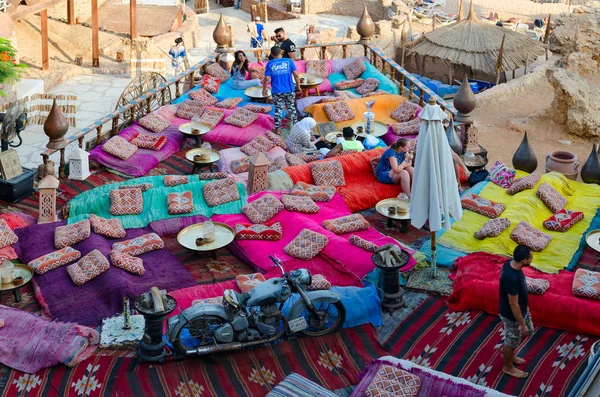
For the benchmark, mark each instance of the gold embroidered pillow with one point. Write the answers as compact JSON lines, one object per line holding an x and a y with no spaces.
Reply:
{"x":537,"y":286}
{"x":119,"y":147}
{"x":241,"y":118}
{"x":406,"y":111}
{"x":229,"y":103}
{"x":528,"y":235}
{"x":139,"y":245}
{"x":306,"y":245}
{"x":126,"y":202}
{"x":180,"y":203}
{"x":7,"y":236}
{"x":586,"y":284}
{"x":328,"y":173}
{"x":355,"y":69}
{"x":215,"y":70}
{"x":189,"y":109}
{"x":174,"y":180}
{"x":263,"y":209}
{"x":338,"y":111}
{"x":154,"y":122}
{"x":55,"y":259}
{"x":88,"y":267}
{"x":551,"y":197}
{"x":317,"y":67}
{"x":492,"y":228}
{"x":301,"y":204}
{"x":112,"y":228}
{"x":362,"y":243}
{"x":369,"y":85}
{"x":346,"y":224}
{"x":203,"y":97}
{"x":316,"y":193}
{"x":220,"y":192}
{"x":66,"y":236}
{"x":128,"y":263}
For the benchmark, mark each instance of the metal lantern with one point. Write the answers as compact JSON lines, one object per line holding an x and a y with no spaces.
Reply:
{"x":47,"y":204}
{"x":79,"y":165}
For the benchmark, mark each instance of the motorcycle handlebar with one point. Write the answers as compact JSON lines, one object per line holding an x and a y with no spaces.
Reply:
{"x":277,"y":263}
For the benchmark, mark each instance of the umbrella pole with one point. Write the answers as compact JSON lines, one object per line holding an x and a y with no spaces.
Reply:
{"x":433,"y":256}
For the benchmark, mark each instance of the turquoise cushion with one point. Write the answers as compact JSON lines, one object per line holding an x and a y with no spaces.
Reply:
{"x":385,"y":83}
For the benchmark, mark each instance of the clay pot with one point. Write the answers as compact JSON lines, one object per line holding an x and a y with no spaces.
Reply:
{"x":365,"y":26}
{"x":55,"y":127}
{"x":590,"y":172}
{"x":564,"y":162}
{"x":222,"y":34}
{"x":524,"y":158}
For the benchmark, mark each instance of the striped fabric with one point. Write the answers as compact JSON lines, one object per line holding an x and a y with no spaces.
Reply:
{"x":38,"y":107}
{"x":295,"y":385}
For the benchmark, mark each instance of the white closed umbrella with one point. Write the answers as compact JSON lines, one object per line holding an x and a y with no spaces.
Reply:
{"x":434,"y":194}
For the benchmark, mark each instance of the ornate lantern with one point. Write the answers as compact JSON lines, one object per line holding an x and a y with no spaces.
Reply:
{"x":258,"y":172}
{"x":79,"y":165}
{"x":47,"y":205}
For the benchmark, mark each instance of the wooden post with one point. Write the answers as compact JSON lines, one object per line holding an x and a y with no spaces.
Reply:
{"x":44,"y":29}
{"x":132,"y":19}
{"x":547,"y":34}
{"x":95,"y":42}
{"x":71,"y":12}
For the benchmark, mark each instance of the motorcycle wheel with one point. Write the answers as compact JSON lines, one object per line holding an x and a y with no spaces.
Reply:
{"x":195,"y":333}
{"x":331,"y":318}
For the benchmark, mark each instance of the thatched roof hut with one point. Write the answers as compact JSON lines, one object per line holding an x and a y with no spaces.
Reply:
{"x":476,"y":44}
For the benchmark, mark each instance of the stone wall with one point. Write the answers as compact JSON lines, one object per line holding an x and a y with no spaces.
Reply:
{"x":83,"y":10}
{"x":276,"y":11}
{"x":377,"y":8}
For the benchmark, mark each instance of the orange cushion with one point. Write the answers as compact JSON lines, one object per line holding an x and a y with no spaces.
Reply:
{"x":246,"y":282}
{"x":586,"y":284}
{"x":54,"y":259}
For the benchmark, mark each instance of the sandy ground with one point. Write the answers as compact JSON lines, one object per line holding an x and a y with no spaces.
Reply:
{"x":525,"y":9}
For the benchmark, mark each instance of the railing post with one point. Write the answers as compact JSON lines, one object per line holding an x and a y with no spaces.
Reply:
{"x":80,"y":142}
{"x":115,"y":126}
{"x":61,"y":165}
{"x":163,"y":101}
{"x":44,"y":159}
{"x":148,"y":104}
{"x":324,"y":52}
{"x":132,"y":115}
{"x":98,"y":135}
{"x":421,"y":97}
{"x":344,"y":51}
{"x":411,"y":85}
{"x":365,"y":49}
{"x":302,"y":53}
{"x":177,"y":93}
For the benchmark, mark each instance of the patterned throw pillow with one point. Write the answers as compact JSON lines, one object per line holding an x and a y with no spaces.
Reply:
{"x":180,"y":203}
{"x":139,"y":245}
{"x":492,"y":228}
{"x":355,"y":69}
{"x":215,"y":70}
{"x":319,"y":282}
{"x":263,"y":209}
{"x":294,"y":160}
{"x":174,"y":180}
{"x":278,"y":164}
{"x":348,"y":94}
{"x":317,"y":193}
{"x":154,"y":122}
{"x":305,"y":205}
{"x":258,"y":231}
{"x":220,"y":192}
{"x":563,"y":220}
{"x":374,"y":163}
{"x":328,"y":173}
{"x":217,"y":300}
{"x":229,"y":103}
{"x":412,"y":127}
{"x":537,"y":286}
{"x":406,"y":111}
{"x":207,"y":176}
{"x":112,"y":228}
{"x":260,"y":144}
{"x":346,"y":224}
{"x":66,"y":236}
{"x":189,"y":109}
{"x":346,"y":84}
{"x":126,"y":202}
{"x":262,"y":109}
{"x":257,"y":72}
{"x":317,"y":67}
{"x":241,"y":165}
{"x":362,"y":243}
{"x":211,"y":84}
{"x":528,"y":235}
{"x":586,"y":284}
{"x":393,"y":382}
{"x":375,"y":93}
{"x":502,"y":175}
{"x":88,"y":267}
{"x":119,"y":147}
{"x":306,"y":245}
{"x":128,"y":263}
{"x":369,"y":85}
{"x":482,"y":206}
{"x":203,"y":97}
{"x":308,"y":158}
{"x":329,"y":99}
{"x":551,"y":197}
{"x":7,"y":236}
{"x":521,"y":184}
{"x":246,"y":282}
{"x":54,"y":259}
{"x":276,"y":139}
{"x":241,"y":118}
{"x":338,"y":111}
{"x":152,"y":142}
{"x":142,"y":186}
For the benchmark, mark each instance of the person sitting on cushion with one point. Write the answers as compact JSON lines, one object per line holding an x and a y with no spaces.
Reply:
{"x":300,"y":139}
{"x":239,"y":71}
{"x":348,"y":143}
{"x":395,"y":165}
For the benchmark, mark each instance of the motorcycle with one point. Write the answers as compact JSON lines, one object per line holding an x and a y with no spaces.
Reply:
{"x":256,"y":317}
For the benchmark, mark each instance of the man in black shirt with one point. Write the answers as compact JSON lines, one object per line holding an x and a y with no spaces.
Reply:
{"x":513,"y":308}
{"x":288,"y":48}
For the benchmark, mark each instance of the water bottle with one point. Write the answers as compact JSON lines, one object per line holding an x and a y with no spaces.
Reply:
{"x":369,"y":117}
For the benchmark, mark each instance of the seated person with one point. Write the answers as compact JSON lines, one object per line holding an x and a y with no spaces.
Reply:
{"x":348,"y":143}
{"x":300,"y":139}
{"x":395,"y":165}
{"x":239,"y":71}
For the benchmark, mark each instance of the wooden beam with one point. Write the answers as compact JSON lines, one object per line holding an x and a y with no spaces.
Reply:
{"x":71,"y":12}
{"x":44,"y":31}
{"x":132,"y":19}
{"x":23,"y":11}
{"x":95,"y":43}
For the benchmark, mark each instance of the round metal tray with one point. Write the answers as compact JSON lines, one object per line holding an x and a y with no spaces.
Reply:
{"x":224,"y":235}
{"x":316,"y":80}
{"x":214,"y":156}
{"x":593,"y":240}
{"x":187,"y":128}
{"x":377,"y":128}
{"x":383,"y":205}
{"x":20,"y":271}
{"x":256,"y":92}
{"x":333,"y":136}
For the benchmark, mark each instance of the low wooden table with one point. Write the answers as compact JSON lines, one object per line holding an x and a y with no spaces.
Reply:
{"x":198,"y":165}
{"x":315,"y":83}
{"x":186,"y":130}
{"x":377,"y":129}
{"x":20,"y":271}
{"x":403,"y":216}
{"x":224,"y":235}
{"x":255,"y":93}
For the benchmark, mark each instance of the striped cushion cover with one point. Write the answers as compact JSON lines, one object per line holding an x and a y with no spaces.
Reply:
{"x":295,"y":385}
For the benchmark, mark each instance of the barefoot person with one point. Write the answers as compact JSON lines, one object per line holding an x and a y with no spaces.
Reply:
{"x":513,"y":308}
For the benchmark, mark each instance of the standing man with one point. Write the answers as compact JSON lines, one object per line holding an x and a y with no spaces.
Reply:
{"x":279,"y":72}
{"x":287,"y":46}
{"x":513,"y":308}
{"x":257,"y":35}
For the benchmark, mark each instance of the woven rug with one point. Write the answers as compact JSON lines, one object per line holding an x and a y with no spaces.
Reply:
{"x":421,"y":280}
{"x":468,"y":344}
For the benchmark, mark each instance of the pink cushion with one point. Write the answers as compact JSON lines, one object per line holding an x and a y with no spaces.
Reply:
{"x":260,"y":144}
{"x":390,"y":381}
{"x":151,"y":142}
{"x":211,"y":84}
{"x":502,"y":175}
{"x":189,"y":109}
{"x":368,"y":86}
{"x":319,"y":67}
{"x":406,"y":111}
{"x":537,"y":286}
{"x":411,"y":127}
{"x":258,"y":108}
{"x":211,"y":117}
{"x":355,"y":69}
{"x":126,"y":202}
{"x":119,"y":147}
{"x":154,"y":122}
{"x":215,"y":70}
{"x":65,"y":236}
{"x":319,"y":282}
{"x":586,"y":284}
{"x":294,"y":160}
{"x":88,"y":267}
{"x":229,"y":103}
{"x":362,"y":243}
{"x":220,"y":192}
{"x":346,"y":84}
{"x":276,"y":139}
{"x":521,"y":184}
{"x":338,"y":111}
{"x":316,"y":193}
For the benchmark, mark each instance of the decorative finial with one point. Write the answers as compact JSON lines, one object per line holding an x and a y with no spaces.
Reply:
{"x":55,"y":127}
{"x":472,"y":16}
{"x":465,"y":102}
{"x":365,"y":27}
{"x":221,"y":35}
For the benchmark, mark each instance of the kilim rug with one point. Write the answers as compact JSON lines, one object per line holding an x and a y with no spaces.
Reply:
{"x":412,"y":238}
{"x":422,"y":281}
{"x":468,"y":344}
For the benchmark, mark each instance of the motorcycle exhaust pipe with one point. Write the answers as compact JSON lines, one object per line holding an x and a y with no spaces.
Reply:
{"x":226,"y":347}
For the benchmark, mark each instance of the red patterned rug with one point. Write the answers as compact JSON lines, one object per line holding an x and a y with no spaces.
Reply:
{"x":468,"y":344}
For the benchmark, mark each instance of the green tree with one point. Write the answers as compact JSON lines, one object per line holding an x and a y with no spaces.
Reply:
{"x":10,"y":70}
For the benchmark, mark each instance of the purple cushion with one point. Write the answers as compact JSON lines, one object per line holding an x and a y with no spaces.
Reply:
{"x":338,"y":64}
{"x":390,"y":137}
{"x":170,"y":226}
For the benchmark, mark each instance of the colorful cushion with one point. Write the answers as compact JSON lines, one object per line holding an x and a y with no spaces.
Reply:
{"x":142,"y":186}
{"x":393,"y":382}
{"x":586,"y":284}
{"x":154,"y":122}
{"x":119,"y":147}
{"x":53,"y":260}
{"x":215,"y":70}
{"x":189,"y":109}
{"x":346,"y":224}
{"x":211,"y":118}
{"x":67,"y":235}
{"x":362,"y":243}
{"x":374,"y":163}
{"x":257,"y":72}
{"x":317,"y":67}
{"x":346,"y":84}
{"x":7,"y":236}
{"x":174,"y":180}
{"x":258,"y":108}
{"x":263,"y":209}
{"x":492,"y":228}
{"x":246,"y":282}
{"x":276,"y":139}
{"x":308,"y":157}
{"x":241,"y":118}
{"x":537,"y":286}
{"x":528,"y":235}
{"x":241,"y":165}
{"x":317,"y":193}
{"x":278,"y":164}
{"x":319,"y":282}
{"x":258,"y":231}
{"x":126,"y":202}
{"x":338,"y":111}
{"x":369,"y":85}
{"x":306,"y":245}
{"x":406,"y":111}
{"x":481,"y":205}
{"x":112,"y":228}
{"x":551,"y":197}
{"x":355,"y":69}
{"x":294,"y":160}
{"x":152,"y":142}
{"x":220,"y":192}
{"x":203,"y":97}
{"x":328,"y":173}
{"x":217,"y":300}
{"x":295,"y":385}
{"x":180,"y":203}
{"x":348,"y":94}
{"x":260,"y":144}
{"x":411,"y":127}
{"x":521,"y":184}
{"x":211,"y":84}
{"x":206,"y":176}
{"x":375,"y":93}
{"x":302,"y":204}
{"x":563,"y":220}
{"x":88,"y":267}
{"x":502,"y":175}
{"x":229,"y":103}
{"x":139,"y":245}
{"x":329,"y":99}
{"x":128,"y":263}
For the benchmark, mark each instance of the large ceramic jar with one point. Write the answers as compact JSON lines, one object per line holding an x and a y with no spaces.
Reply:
{"x":564,"y":162}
